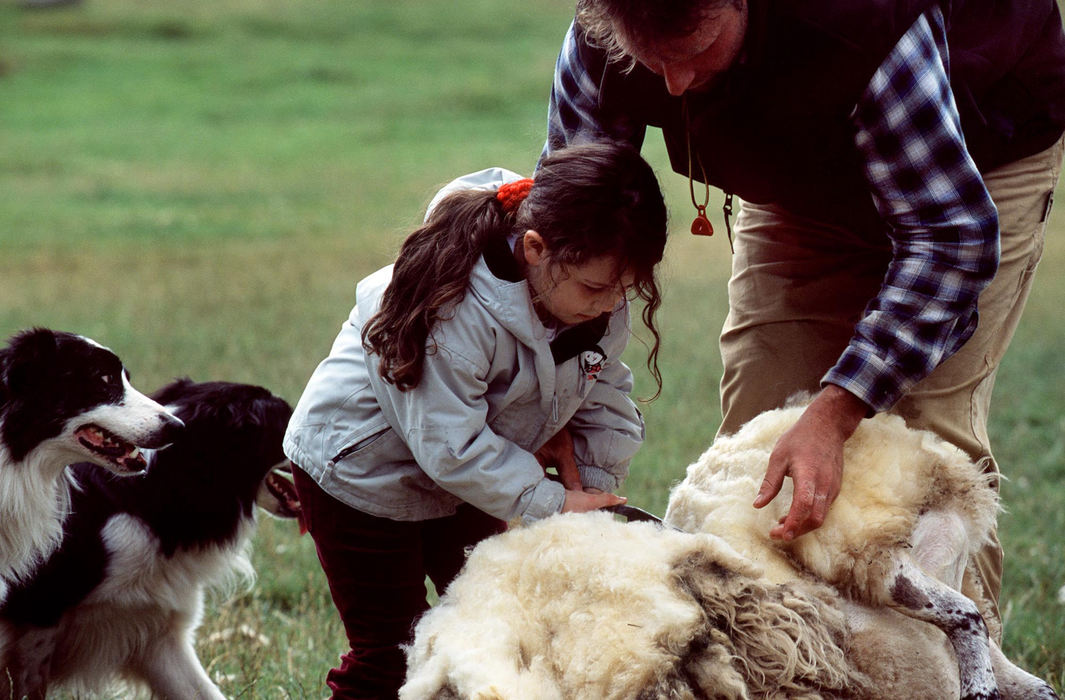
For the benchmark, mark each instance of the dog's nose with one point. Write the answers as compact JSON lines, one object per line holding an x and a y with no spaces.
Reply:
{"x":169,"y":429}
{"x":172,"y":424}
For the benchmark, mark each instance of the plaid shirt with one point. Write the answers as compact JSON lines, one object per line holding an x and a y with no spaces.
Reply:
{"x":941,"y":221}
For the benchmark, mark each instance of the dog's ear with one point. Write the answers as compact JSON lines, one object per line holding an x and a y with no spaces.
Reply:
{"x":25,"y":353}
{"x":178,"y":387}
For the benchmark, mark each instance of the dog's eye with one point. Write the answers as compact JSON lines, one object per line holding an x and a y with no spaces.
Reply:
{"x":106,"y":379}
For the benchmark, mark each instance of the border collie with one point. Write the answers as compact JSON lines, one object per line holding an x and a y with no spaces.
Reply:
{"x":121,"y":598}
{"x":63,"y":399}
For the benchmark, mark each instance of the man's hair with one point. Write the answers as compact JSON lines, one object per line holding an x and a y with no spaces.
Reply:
{"x":603,"y":20}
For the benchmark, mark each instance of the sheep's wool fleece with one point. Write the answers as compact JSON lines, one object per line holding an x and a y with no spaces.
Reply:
{"x":892,"y":474}
{"x":585,"y":607}
{"x":509,"y":650}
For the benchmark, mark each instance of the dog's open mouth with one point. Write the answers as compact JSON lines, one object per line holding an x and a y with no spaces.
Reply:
{"x":280,"y":497}
{"x":124,"y":456}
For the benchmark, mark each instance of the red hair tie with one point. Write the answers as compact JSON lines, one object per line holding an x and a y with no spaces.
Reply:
{"x":512,"y":194}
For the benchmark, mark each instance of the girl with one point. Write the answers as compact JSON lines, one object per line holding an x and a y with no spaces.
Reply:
{"x":488,"y":352}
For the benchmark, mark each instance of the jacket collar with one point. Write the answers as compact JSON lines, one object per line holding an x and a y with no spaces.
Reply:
{"x":572,"y":340}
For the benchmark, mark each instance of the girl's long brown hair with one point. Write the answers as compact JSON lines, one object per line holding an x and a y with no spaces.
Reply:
{"x":587,"y":201}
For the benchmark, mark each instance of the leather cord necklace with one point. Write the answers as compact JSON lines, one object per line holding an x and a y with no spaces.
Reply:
{"x":701,"y":225}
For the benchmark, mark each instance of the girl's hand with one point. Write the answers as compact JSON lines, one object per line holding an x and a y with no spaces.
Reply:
{"x":558,"y":453}
{"x":590,"y":499}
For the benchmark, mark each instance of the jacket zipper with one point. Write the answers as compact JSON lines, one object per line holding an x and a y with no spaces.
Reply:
{"x":351,"y":449}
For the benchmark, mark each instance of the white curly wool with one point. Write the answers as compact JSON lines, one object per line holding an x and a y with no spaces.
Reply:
{"x":584,"y":607}
{"x":613,"y":623}
{"x":892,"y":474}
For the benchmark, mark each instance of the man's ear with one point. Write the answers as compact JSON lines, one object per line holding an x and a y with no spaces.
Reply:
{"x":534,"y":248}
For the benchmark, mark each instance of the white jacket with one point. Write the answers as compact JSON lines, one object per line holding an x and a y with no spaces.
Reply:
{"x":490,"y":396}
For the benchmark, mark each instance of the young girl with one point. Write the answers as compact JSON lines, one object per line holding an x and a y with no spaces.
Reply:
{"x":487,"y":353}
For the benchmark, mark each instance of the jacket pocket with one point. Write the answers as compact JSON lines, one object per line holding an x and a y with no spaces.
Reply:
{"x":364,"y":445}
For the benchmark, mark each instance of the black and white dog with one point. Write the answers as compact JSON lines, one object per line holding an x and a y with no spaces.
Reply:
{"x":123,"y":595}
{"x":63,"y":399}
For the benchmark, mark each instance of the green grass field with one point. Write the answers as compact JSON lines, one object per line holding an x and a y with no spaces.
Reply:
{"x":199,"y":185}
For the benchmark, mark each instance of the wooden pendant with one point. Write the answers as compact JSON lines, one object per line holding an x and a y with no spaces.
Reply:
{"x":701,"y":225}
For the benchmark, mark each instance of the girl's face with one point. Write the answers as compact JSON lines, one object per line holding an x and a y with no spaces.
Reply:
{"x":573,"y":293}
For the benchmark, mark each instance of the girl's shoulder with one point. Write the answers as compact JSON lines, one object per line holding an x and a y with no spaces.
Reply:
{"x":369,"y":289}
{"x":375,"y":280}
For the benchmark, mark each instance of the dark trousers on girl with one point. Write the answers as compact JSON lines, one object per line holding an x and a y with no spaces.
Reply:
{"x":376,"y":568}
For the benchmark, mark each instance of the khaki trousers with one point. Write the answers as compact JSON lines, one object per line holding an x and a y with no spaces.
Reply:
{"x":798,"y":287}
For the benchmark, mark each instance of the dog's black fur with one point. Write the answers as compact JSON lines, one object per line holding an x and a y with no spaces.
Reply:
{"x":122,"y":595}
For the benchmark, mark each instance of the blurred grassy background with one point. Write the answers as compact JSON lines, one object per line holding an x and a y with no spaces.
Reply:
{"x":199,"y":184}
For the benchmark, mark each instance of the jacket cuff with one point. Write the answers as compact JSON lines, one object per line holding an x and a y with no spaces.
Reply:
{"x":547,"y":499}
{"x":598,"y":478}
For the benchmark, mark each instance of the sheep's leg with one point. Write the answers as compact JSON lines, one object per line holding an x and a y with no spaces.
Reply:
{"x":915,"y":593}
{"x":941,"y":546}
{"x":1015,"y":683}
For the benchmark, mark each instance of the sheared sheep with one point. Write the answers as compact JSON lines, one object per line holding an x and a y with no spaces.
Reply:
{"x":867,"y":606}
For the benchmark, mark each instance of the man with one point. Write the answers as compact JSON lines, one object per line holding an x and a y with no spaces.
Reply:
{"x":896,"y":161}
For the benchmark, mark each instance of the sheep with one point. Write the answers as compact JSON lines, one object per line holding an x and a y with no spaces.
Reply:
{"x":583,"y":606}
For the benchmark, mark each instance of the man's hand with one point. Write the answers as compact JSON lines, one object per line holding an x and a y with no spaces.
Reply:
{"x":811,"y":453}
{"x":558,"y":453}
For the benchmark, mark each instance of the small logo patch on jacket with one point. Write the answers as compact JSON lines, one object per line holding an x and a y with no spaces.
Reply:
{"x":591,"y":363}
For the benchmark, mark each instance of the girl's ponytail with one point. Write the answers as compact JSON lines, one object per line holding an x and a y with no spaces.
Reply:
{"x":430,"y":277}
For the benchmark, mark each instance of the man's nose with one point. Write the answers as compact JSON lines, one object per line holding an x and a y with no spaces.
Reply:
{"x":678,"y":78}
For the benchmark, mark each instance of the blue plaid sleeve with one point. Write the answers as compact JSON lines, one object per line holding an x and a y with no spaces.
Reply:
{"x":573,"y":109}
{"x":942,"y":223}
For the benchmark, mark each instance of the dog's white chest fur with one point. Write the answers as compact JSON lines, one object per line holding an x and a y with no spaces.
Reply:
{"x":34,"y":498}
